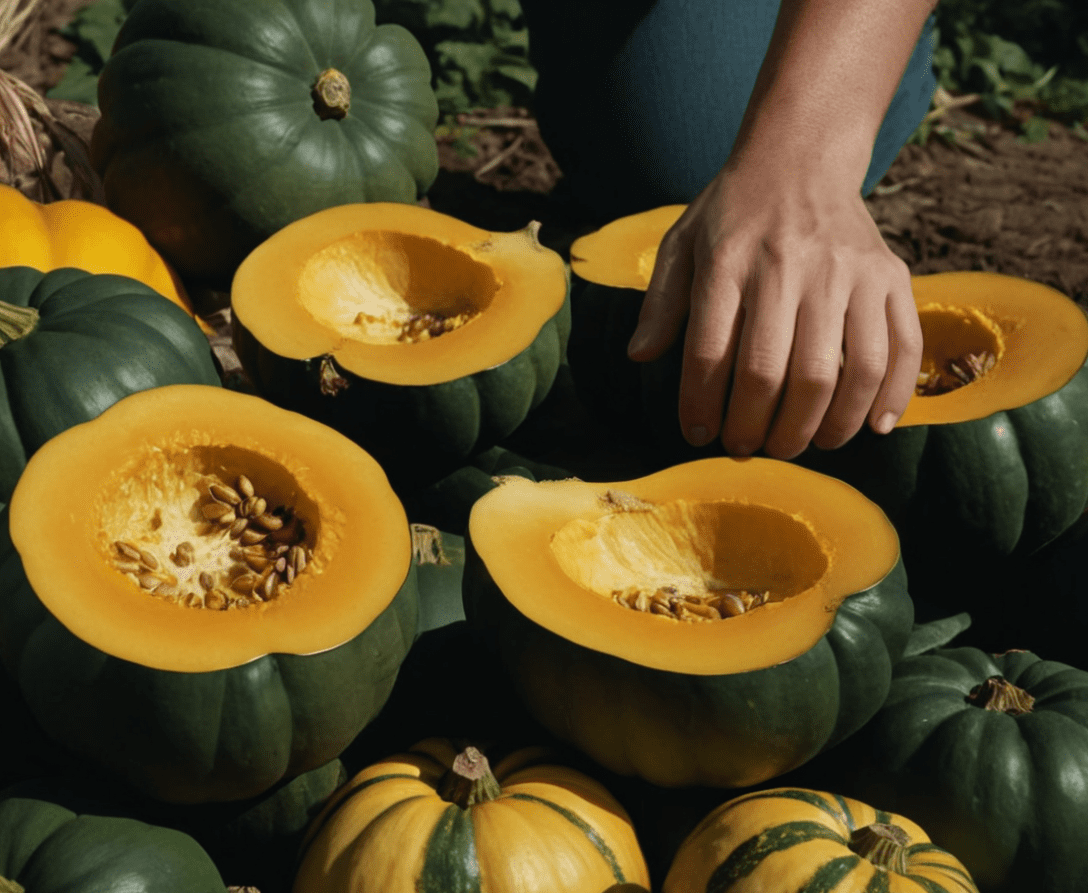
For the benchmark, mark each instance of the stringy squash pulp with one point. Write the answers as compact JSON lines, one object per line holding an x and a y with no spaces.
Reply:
{"x":194,"y":529}
{"x":566,"y":553}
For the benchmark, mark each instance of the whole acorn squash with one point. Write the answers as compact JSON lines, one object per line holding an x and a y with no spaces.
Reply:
{"x":73,"y":343}
{"x":46,"y":848}
{"x":422,"y":338}
{"x":204,"y":593}
{"x":795,"y":840}
{"x":72,"y":233}
{"x":566,"y":579}
{"x":990,"y":754}
{"x":225,"y":120}
{"x":435,"y":820}
{"x":996,"y":466}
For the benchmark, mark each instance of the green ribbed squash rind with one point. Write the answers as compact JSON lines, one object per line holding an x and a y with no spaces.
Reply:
{"x":774,"y":719}
{"x":1008,"y":795}
{"x":198,"y":737}
{"x":99,"y":337}
{"x":49,"y":849}
{"x":418,"y":433}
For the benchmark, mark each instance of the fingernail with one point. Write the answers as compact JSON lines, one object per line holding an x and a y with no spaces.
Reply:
{"x":742,"y":449}
{"x":698,"y":436}
{"x":639,"y":342}
{"x":885,"y":423}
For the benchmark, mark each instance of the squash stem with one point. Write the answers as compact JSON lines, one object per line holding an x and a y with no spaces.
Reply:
{"x":7,"y":886}
{"x":331,"y":95}
{"x":15,"y":323}
{"x":1001,"y":696}
{"x":882,"y":844}
{"x":469,"y":781}
{"x":427,"y":545}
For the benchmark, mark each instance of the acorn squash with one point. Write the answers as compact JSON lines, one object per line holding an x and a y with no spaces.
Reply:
{"x":204,"y":593}
{"x":1000,"y":463}
{"x":795,"y":840}
{"x":424,"y":339}
{"x":73,"y":343}
{"x":990,"y":754}
{"x":437,"y":819}
{"x":73,"y":233}
{"x":225,"y":120}
{"x":718,"y":622}
{"x":45,"y":848}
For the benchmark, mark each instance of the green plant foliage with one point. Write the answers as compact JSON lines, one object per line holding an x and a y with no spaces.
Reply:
{"x":478,"y":50}
{"x":1034,"y":51}
{"x":93,"y":30}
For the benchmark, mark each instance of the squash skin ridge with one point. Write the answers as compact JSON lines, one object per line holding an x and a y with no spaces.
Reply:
{"x":167,"y":733}
{"x":418,"y":433}
{"x":532,"y":654}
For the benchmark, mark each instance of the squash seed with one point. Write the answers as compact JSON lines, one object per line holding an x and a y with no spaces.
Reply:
{"x":127,"y":550}
{"x":217,"y":511}
{"x":226,"y":494}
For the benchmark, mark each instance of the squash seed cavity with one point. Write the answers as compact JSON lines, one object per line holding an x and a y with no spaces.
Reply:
{"x":687,"y":560}
{"x":200,"y":536}
{"x":394,"y":288}
{"x":961,"y":345}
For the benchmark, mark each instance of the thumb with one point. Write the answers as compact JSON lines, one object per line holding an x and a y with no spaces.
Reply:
{"x":668,"y":296}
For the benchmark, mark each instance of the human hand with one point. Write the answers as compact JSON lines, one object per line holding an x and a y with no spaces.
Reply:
{"x":779,"y":277}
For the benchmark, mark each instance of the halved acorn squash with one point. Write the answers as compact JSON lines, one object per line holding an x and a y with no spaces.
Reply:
{"x":204,"y":593}
{"x":423,"y":338}
{"x":997,"y":459}
{"x":782,"y":599}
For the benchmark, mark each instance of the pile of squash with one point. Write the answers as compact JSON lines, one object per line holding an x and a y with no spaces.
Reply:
{"x":334,"y":633}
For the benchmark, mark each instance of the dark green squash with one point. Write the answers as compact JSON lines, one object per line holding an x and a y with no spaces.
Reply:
{"x":990,"y":754}
{"x":422,"y":338}
{"x":191,"y":696}
{"x":45,"y":848}
{"x":74,"y":343}
{"x":728,"y":703}
{"x":225,"y":120}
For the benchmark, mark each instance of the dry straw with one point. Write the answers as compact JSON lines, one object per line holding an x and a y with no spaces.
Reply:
{"x":30,"y":133}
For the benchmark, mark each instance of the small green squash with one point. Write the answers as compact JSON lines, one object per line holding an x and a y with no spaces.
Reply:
{"x":225,"y":120}
{"x":73,"y":343}
{"x":730,"y":702}
{"x":795,"y":840}
{"x":45,"y":848}
{"x":990,"y":754}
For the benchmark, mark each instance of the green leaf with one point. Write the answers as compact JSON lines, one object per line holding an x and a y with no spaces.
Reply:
{"x":79,"y":83}
{"x":935,"y":634}
{"x":1035,"y":130}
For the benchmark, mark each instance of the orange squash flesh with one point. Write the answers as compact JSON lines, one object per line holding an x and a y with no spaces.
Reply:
{"x":73,"y":233}
{"x":1036,"y":333}
{"x":342,"y":280}
{"x":555,"y":549}
{"x":130,"y":474}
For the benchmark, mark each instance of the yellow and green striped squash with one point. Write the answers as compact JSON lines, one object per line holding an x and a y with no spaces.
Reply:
{"x":793,"y":840}
{"x":412,"y":824}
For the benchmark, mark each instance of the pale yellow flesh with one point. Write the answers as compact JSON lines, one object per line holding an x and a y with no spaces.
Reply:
{"x":758,"y":521}
{"x":65,"y":516}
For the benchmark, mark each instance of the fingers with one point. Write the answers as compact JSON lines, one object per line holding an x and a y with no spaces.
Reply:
{"x":667,"y":296}
{"x":710,"y":347}
{"x":865,"y":363}
{"x":904,"y":359}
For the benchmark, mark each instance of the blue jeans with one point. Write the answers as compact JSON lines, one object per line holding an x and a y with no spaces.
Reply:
{"x":640,"y":100}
